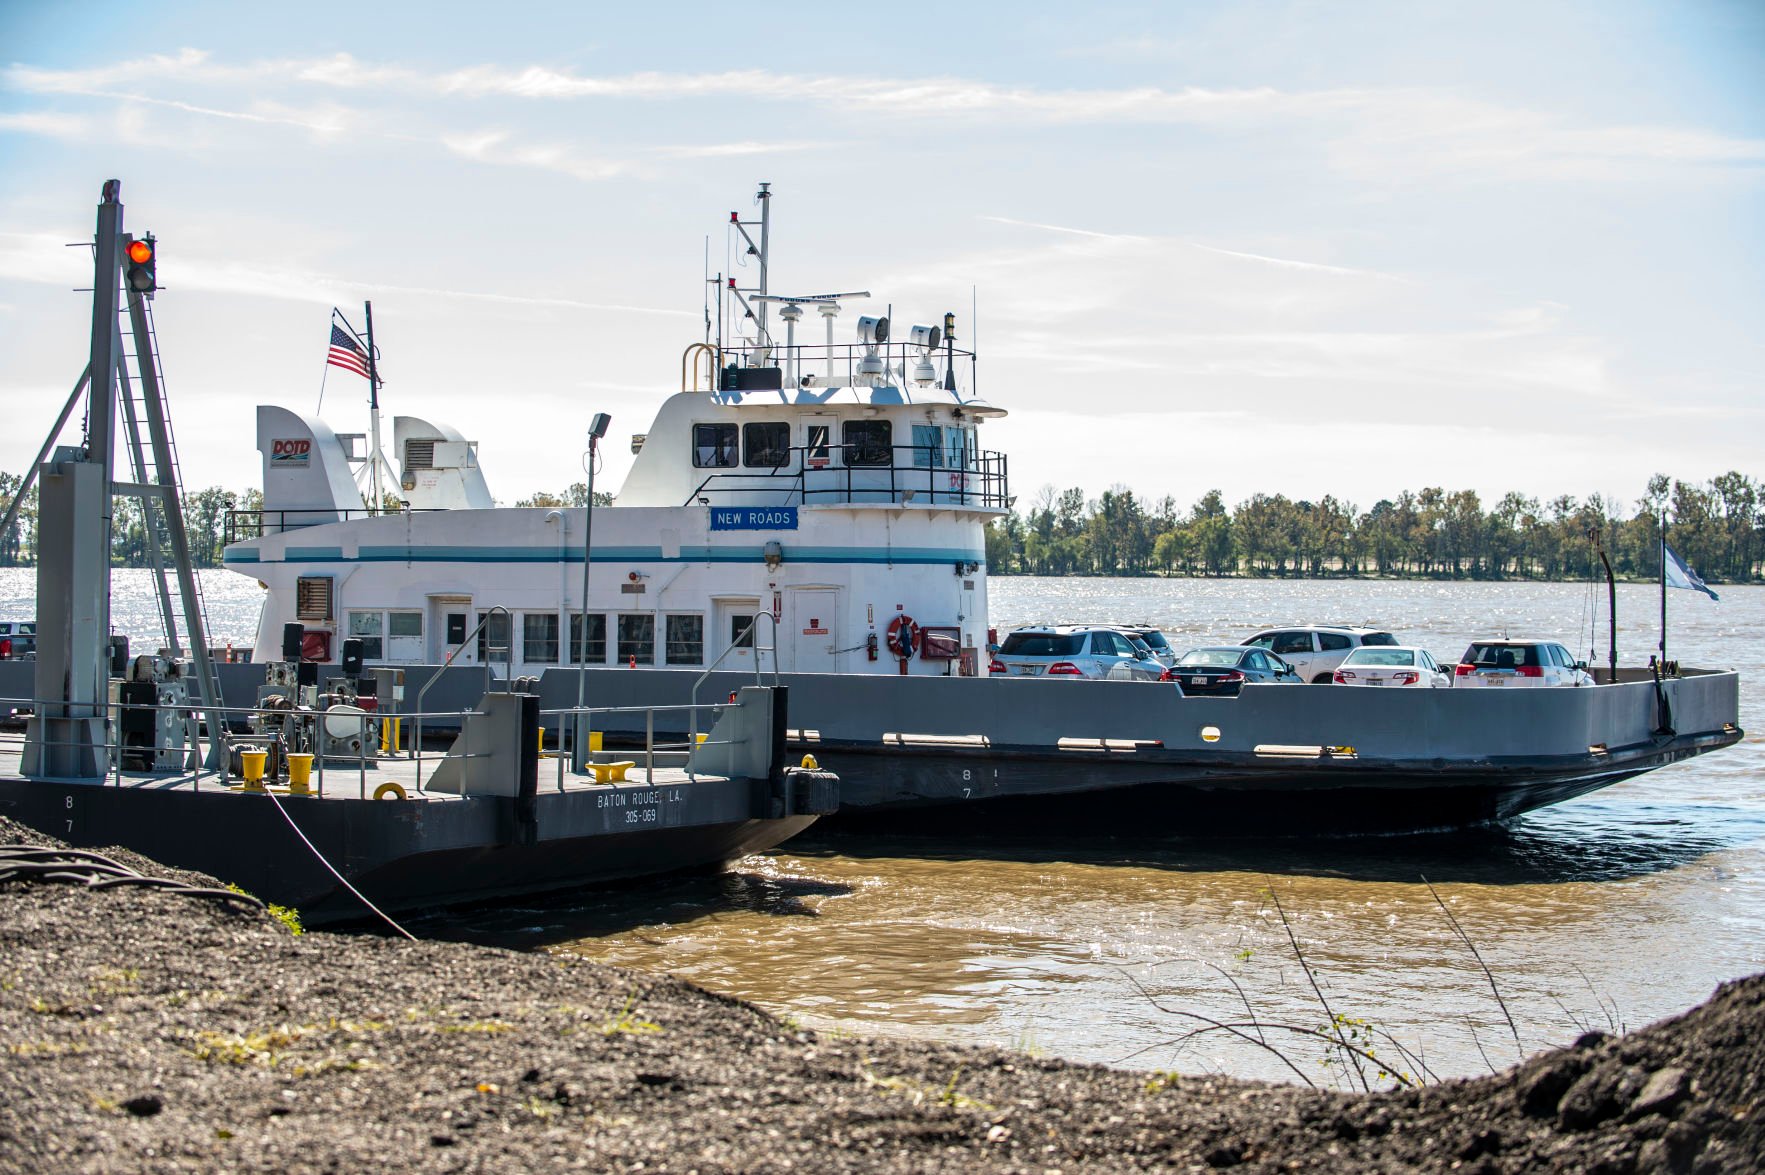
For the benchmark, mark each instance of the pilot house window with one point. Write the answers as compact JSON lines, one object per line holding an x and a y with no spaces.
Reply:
{"x":867,"y":442}
{"x":766,"y":444}
{"x":714,"y":446}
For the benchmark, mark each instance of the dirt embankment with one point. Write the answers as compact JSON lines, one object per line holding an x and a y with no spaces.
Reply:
{"x":145,"y":1030}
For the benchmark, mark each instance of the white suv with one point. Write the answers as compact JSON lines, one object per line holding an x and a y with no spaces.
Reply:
{"x":1509,"y":663}
{"x":1316,"y":650}
{"x":1074,"y":651}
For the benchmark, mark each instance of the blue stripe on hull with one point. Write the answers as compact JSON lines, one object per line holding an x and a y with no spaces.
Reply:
{"x":868,"y":555}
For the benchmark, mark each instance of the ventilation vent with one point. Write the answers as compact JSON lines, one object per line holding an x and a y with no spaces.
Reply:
{"x":312,"y":597}
{"x":419,"y":454}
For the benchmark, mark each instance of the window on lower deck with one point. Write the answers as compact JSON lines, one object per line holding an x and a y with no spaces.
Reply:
{"x":595,"y":651}
{"x":686,"y":640}
{"x":493,"y":636}
{"x":539,"y":638}
{"x":637,"y":637}
{"x":366,"y":627}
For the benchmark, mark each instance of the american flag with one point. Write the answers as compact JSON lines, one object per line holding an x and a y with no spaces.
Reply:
{"x":346,"y":352}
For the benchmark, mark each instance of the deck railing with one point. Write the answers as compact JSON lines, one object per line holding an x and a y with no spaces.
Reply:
{"x":929,"y":475}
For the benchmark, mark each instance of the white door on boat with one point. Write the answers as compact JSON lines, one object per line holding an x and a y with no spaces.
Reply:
{"x":736,"y":633}
{"x":449,"y":622}
{"x":809,"y":637}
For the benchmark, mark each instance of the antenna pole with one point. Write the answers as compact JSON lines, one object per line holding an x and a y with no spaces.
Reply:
{"x":765,"y":198}
{"x":376,"y":459}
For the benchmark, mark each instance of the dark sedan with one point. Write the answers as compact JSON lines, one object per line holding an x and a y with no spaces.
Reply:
{"x":1222,"y":671}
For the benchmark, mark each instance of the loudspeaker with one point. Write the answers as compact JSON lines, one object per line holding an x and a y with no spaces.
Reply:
{"x":292,"y":635}
{"x":352,"y":657}
{"x":308,"y":673}
{"x":119,"y":655}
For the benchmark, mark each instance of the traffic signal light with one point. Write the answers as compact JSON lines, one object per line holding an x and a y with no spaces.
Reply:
{"x":143,"y":255}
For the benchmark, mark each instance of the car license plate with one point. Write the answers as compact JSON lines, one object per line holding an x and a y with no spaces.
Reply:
{"x":1375,"y":681}
{"x":1494,"y":680}
{"x":1029,"y":670}
{"x":1198,"y":681}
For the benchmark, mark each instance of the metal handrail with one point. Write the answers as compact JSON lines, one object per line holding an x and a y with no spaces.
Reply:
{"x":241,"y":524}
{"x":508,"y":670}
{"x":979,"y":478}
{"x":693,"y":697}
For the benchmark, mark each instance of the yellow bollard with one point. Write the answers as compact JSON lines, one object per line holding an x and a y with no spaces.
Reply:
{"x":542,"y":740}
{"x":253,"y":765}
{"x":300,"y":773}
{"x":594,"y":741}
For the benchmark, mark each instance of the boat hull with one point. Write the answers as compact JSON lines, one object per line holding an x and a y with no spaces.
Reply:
{"x":1046,"y":751}
{"x":401,"y":855}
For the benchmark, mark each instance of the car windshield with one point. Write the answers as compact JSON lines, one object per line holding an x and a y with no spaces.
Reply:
{"x":1226,"y":658}
{"x":1042,"y":644}
{"x":1364,"y":656}
{"x":1155,"y":639}
{"x":1378,"y":638}
{"x":1140,"y":646}
{"x":1493,"y":656}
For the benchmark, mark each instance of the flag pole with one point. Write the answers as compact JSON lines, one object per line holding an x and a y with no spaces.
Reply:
{"x":1663,"y":590}
{"x":376,"y":458}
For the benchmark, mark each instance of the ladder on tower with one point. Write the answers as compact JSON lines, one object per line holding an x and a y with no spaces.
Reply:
{"x":153,"y":461}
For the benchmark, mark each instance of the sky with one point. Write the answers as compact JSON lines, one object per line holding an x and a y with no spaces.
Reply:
{"x":1297,"y":248}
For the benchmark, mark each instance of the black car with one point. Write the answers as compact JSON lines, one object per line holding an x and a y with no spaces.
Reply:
{"x":1221,"y":671}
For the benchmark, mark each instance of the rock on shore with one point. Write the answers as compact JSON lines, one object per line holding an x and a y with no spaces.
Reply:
{"x":143,"y":1030}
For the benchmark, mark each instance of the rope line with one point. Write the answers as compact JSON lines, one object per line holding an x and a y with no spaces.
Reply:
{"x":344,"y":881}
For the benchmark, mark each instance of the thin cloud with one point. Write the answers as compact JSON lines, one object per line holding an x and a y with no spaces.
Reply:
{"x":1060,"y":228}
{"x":47,"y":123}
{"x":1378,"y":133}
{"x":1287,"y":262}
{"x":724,"y":150}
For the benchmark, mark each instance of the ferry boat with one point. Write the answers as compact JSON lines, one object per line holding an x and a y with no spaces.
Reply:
{"x":825,"y":502}
{"x":818,"y":510}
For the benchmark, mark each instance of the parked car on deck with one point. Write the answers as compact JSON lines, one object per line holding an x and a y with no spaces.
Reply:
{"x":1223,"y":670}
{"x":1500,"y":661}
{"x":1161,"y":648}
{"x":1392,"y":665}
{"x":1315,"y":650}
{"x":1076,"y":651}
{"x":18,"y":640}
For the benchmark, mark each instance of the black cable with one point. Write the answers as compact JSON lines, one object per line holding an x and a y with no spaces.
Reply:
{"x":96,"y":871}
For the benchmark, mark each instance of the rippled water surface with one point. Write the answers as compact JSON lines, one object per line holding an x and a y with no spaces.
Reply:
{"x":1609,"y":911}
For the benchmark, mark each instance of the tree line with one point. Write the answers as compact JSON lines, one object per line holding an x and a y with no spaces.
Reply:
{"x":1718,"y":527}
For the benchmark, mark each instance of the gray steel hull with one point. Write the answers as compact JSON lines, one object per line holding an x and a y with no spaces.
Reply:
{"x":401,"y":855}
{"x":1421,"y":758}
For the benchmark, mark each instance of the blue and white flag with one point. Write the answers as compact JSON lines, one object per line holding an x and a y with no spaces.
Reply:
{"x":1681,"y":576}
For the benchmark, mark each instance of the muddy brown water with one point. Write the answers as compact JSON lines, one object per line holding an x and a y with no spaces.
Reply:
{"x":1610,"y":911}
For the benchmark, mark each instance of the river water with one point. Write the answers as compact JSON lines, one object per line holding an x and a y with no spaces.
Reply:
{"x":1610,"y":911}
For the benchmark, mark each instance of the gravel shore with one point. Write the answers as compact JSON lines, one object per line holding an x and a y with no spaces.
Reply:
{"x":145,"y":1030}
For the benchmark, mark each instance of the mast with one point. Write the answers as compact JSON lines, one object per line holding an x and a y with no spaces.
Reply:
{"x":765,"y":198}
{"x":376,"y":458}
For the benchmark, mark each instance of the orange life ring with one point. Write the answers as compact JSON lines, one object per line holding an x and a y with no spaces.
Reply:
{"x":903,"y":637}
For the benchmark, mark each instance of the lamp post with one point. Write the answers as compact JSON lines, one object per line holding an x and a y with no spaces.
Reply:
{"x":597,"y":428}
